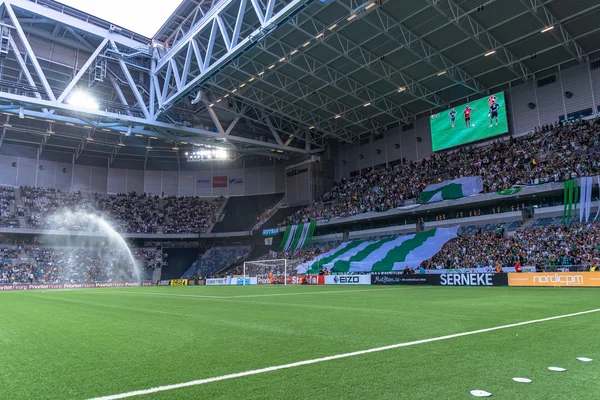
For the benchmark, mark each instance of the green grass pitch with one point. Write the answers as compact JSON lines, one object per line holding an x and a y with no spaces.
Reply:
{"x":443,"y":136}
{"x":82,"y":344}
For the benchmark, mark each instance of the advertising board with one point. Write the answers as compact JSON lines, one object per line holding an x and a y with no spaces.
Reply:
{"x":555,"y":279}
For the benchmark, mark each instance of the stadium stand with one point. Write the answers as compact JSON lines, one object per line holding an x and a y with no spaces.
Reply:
{"x":132,"y":212}
{"x":546,"y":246}
{"x":552,"y":153}
{"x":8,"y":214}
{"x":216,"y":259}
{"x":69,"y":265}
{"x":190,"y":214}
{"x":242,"y":212}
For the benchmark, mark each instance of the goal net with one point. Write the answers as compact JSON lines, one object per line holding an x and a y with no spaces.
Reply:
{"x":267,"y":271}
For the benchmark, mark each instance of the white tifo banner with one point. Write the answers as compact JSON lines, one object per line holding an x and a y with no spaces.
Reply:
{"x":348,"y":279}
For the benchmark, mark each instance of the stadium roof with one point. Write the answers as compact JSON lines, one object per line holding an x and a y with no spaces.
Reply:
{"x":289,"y":75}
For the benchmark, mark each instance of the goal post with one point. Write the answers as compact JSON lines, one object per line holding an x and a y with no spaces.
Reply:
{"x":274,"y":270}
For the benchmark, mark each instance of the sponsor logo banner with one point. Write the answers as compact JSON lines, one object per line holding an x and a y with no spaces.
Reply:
{"x":219,"y":181}
{"x":296,"y":171}
{"x":293,"y":280}
{"x":348,"y":279}
{"x":236,"y":181}
{"x":51,"y":286}
{"x":178,"y":282}
{"x":469,"y":279}
{"x":216,"y":281}
{"x":399,"y":279}
{"x":243,"y":281}
{"x":203,"y":182}
{"x":163,"y":283}
{"x":562,"y":279}
{"x":271,"y":232}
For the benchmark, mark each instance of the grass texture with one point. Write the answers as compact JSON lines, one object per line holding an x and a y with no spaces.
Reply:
{"x":86,"y":343}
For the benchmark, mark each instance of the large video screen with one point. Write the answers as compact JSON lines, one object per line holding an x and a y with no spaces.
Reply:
{"x":469,"y":122}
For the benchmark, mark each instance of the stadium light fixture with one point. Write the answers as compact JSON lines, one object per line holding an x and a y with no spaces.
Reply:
{"x":175,"y":148}
{"x":106,"y":130}
{"x":261,"y":73}
{"x":226,"y":96}
{"x":122,"y":144}
{"x":332,"y":27}
{"x":489,"y":53}
{"x":242,"y":85}
{"x":282,"y":59}
{"x":337,"y":116}
{"x":219,"y":100}
{"x":251,"y":79}
{"x":320,"y":35}
{"x":306,"y":44}
{"x":294,"y":52}
{"x":234,"y":90}
{"x":153,"y":137}
{"x":271,"y":66}
{"x":212,"y":104}
{"x":90,"y":139}
{"x":148,"y":147}
{"x":82,"y":99}
{"x":441,"y":73}
{"x":367,"y":104}
{"x":548,"y":28}
{"x":370,"y":5}
{"x":350,"y":18}
{"x":138,"y":135}
{"x":312,"y":127}
{"x":402,"y":89}
{"x":69,"y":123}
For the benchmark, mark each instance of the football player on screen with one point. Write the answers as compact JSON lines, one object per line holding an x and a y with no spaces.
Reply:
{"x":452,"y":115}
{"x":467,"y":115}
{"x":494,"y":107}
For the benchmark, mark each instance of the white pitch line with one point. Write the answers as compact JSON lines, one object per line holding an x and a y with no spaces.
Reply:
{"x":330,"y":358}
{"x":249,"y":295}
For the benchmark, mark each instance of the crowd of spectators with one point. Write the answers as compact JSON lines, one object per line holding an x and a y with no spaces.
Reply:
{"x":551,"y":153}
{"x":73,"y":265}
{"x":190,"y":214}
{"x":8,"y":214}
{"x":41,"y":204}
{"x":557,"y":245}
{"x":132,"y":212}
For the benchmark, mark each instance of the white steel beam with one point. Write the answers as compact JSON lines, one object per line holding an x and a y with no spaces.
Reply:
{"x":29,"y":50}
{"x":242,"y":44}
{"x":141,"y":123}
{"x":82,"y":71}
{"x":64,"y":18}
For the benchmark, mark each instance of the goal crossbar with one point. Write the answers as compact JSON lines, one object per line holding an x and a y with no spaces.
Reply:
{"x":268,"y":266}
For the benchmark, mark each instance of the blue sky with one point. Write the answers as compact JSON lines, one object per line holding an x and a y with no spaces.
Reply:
{"x":141,"y":16}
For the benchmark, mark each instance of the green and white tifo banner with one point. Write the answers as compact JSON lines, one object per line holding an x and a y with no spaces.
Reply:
{"x":297,"y":236}
{"x":382,"y":255}
{"x":449,"y":190}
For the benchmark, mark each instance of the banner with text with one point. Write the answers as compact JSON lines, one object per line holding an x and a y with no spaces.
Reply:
{"x":216,"y":281}
{"x":51,"y":286}
{"x":348,"y":279}
{"x":219,"y":181}
{"x":469,"y":279}
{"x":553,"y":279}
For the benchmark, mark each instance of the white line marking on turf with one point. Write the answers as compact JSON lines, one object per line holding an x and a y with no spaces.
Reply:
{"x":330,"y":358}
{"x":245,"y":296}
